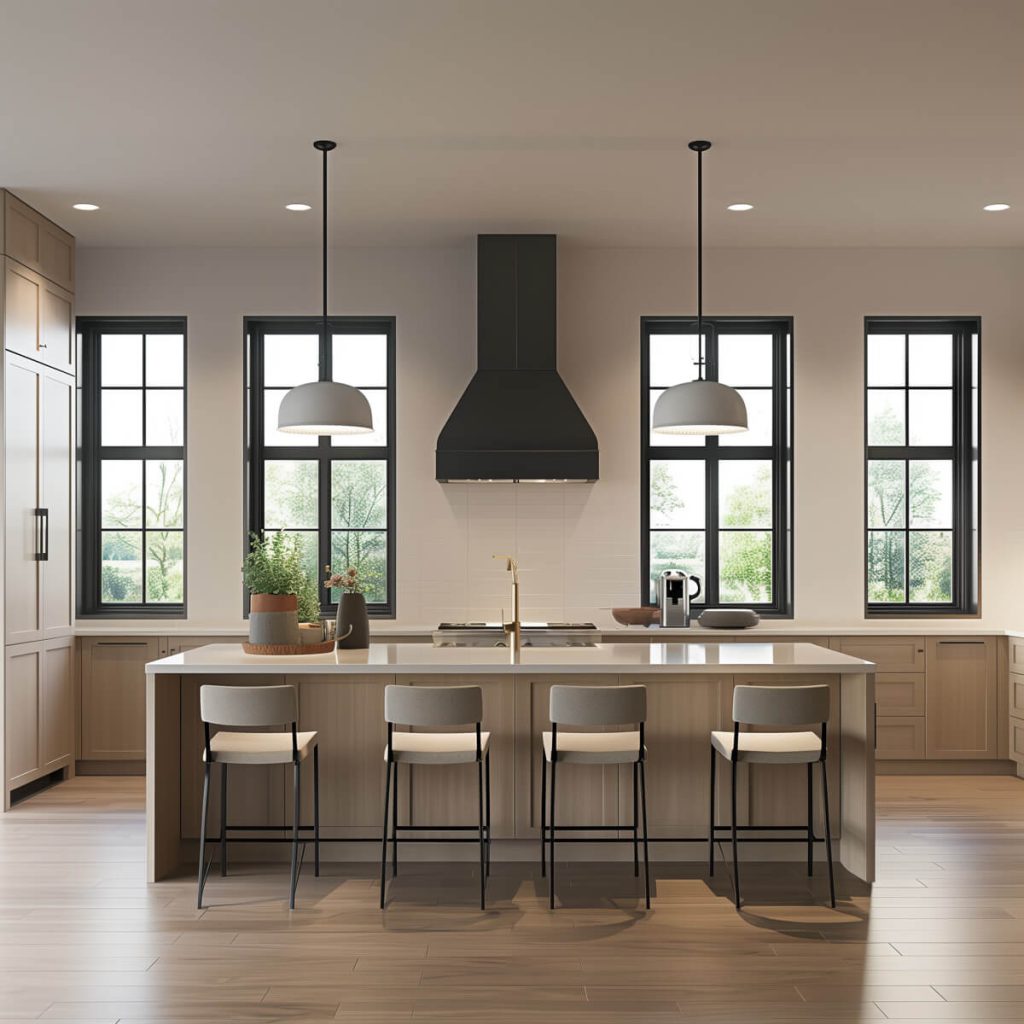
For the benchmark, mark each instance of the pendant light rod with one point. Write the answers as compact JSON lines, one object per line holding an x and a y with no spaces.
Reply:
{"x":700,"y":147}
{"x":325,"y":146}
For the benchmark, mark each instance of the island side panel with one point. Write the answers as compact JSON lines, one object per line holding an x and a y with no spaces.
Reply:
{"x":163,"y":775}
{"x":347,"y":713}
{"x":681,"y":712}
{"x":858,"y":765}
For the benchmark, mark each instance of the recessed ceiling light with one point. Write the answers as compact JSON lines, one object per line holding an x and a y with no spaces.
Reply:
{"x":740,"y":207}
{"x":997,"y":207}
{"x":298,"y":207}
{"x":86,"y":206}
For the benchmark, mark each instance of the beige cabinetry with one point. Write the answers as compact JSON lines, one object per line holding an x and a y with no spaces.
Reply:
{"x":114,"y":698}
{"x":37,"y":321}
{"x":962,"y":693}
{"x":1015,"y":683}
{"x":39,"y":712}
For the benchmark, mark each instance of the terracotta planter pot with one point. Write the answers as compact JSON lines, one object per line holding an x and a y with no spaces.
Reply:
{"x":273,"y":619}
{"x":353,"y":630}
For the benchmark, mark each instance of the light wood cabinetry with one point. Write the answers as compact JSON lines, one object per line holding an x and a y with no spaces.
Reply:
{"x":37,"y":243}
{"x":962,"y":686}
{"x":889,"y":653}
{"x":38,"y":710}
{"x":900,"y":737}
{"x":37,"y":320}
{"x":114,"y":697}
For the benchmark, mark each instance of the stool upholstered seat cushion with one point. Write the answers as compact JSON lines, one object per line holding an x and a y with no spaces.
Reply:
{"x":259,"y":747}
{"x":437,"y":747}
{"x":770,"y":747}
{"x":594,"y":747}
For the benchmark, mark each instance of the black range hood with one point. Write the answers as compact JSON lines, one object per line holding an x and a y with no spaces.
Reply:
{"x":516,"y":421}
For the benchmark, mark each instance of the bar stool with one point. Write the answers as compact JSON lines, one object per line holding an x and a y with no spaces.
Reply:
{"x":437,"y":707}
{"x":594,"y":706}
{"x":775,"y":705}
{"x":255,"y":707}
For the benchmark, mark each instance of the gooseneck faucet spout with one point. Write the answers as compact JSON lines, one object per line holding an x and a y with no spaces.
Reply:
{"x":513,"y":629}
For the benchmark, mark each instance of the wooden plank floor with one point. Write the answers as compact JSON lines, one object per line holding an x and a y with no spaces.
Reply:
{"x":83,"y":938}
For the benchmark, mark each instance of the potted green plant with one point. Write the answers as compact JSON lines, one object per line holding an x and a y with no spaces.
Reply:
{"x":353,"y":629}
{"x":272,"y":572}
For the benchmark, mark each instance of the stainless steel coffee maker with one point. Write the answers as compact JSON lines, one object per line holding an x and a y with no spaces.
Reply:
{"x":675,"y":597}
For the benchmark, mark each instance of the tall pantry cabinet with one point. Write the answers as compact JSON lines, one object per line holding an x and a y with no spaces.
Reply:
{"x":36,"y":299}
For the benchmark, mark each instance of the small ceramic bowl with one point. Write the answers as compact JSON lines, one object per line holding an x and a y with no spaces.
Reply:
{"x":636,"y":616}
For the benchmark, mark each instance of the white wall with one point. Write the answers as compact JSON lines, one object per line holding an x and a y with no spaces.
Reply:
{"x":579,"y":544}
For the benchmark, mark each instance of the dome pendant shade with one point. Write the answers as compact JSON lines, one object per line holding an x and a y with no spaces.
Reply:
{"x":324,"y":407}
{"x":699,"y":407}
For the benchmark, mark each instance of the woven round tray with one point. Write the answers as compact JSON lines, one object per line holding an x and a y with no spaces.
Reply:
{"x":325,"y":647}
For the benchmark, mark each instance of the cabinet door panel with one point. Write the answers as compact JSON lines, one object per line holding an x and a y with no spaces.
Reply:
{"x":56,"y":328}
{"x":55,"y":473}
{"x":900,"y":693}
{"x":900,"y":737}
{"x":21,"y":685}
{"x":889,"y":653}
{"x":22,"y":528}
{"x":114,"y":699}
{"x":21,"y":310}
{"x":961,"y":694}
{"x":57,"y":705}
{"x":38,"y":243}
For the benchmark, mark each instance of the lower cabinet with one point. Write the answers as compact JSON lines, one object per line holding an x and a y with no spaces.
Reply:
{"x":39,"y":710}
{"x":962,"y":693}
{"x":114,"y":697}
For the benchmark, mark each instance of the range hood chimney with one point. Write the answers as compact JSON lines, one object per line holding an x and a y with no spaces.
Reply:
{"x":516,"y":421}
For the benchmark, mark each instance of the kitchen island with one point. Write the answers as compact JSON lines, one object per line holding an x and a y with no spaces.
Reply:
{"x":341,"y":696}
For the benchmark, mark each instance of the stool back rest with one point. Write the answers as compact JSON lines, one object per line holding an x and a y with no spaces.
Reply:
{"x":433,"y":705}
{"x":598,"y":705}
{"x":251,"y":706}
{"x":780,"y":705}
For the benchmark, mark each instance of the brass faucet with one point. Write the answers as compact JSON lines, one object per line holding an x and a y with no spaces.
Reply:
{"x":512,"y":629}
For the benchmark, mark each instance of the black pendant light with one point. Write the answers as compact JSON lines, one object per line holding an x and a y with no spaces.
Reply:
{"x":700,"y":406}
{"x":324,"y":406}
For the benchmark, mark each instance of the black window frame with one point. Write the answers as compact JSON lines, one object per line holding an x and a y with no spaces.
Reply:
{"x":254,"y":328}
{"x":781,"y":329}
{"x":965,"y":453}
{"x":91,"y":454}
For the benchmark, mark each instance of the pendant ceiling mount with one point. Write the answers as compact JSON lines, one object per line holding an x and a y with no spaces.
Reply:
{"x":324,"y":406}
{"x":700,"y":406}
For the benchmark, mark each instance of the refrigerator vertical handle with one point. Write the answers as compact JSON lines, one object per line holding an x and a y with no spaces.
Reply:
{"x":42,"y":552}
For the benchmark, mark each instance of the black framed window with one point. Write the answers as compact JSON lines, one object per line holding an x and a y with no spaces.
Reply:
{"x":132,"y":416}
{"x":721,"y":507}
{"x":335,"y":494}
{"x":921,"y":427}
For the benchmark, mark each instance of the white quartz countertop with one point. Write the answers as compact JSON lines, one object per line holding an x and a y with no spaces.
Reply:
{"x":420,"y":659}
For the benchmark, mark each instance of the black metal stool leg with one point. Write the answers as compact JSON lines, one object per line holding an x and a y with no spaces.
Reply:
{"x":810,"y":819}
{"x":551,"y":840}
{"x":543,"y":812}
{"x":224,"y":819}
{"x":711,"y":817}
{"x":384,"y":837}
{"x":636,"y":849}
{"x":828,"y":834}
{"x":487,"y":771}
{"x":316,"y":811}
{"x":394,"y":823}
{"x":202,"y":835}
{"x":647,"y":859}
{"x":735,"y":847}
{"x":295,"y":834}
{"x":483,"y":853}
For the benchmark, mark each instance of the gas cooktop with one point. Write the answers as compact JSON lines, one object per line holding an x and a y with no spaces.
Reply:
{"x":525,"y":625}
{"x":534,"y":634}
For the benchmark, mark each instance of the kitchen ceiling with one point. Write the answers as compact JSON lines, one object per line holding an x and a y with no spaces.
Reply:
{"x":190,"y":122}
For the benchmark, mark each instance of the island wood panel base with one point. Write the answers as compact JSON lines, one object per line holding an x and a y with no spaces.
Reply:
{"x":347,"y":712}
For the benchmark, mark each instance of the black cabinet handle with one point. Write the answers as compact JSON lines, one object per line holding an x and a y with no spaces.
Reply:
{"x":42,"y":552}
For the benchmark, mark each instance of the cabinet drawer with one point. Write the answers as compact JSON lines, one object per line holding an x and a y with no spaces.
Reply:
{"x":1017,"y":739}
{"x":901,"y":693}
{"x":1016,"y":654}
{"x":1017,"y":694}
{"x":900,"y":737}
{"x":889,"y":653}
